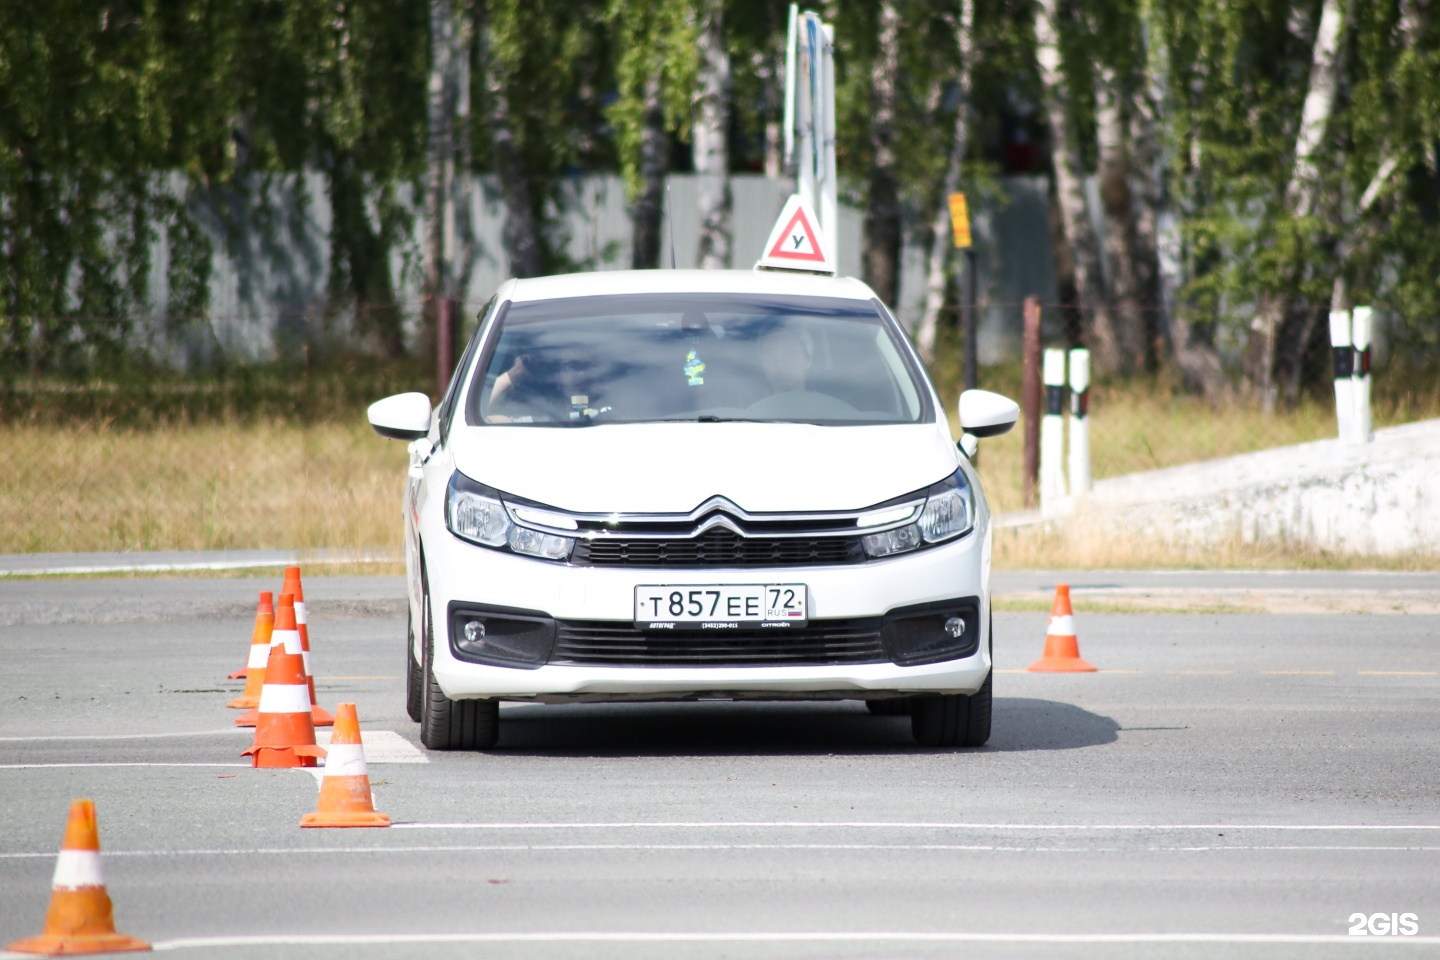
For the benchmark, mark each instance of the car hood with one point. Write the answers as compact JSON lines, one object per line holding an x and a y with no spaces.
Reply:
{"x":674,"y":467}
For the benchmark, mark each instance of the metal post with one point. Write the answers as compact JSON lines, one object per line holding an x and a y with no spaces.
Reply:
{"x":829,"y":179}
{"x":1344,"y":369}
{"x":1030,"y":398}
{"x":1079,"y":422}
{"x":1360,"y":336}
{"x":1052,"y":434}
{"x":972,"y":361}
{"x":444,"y":343}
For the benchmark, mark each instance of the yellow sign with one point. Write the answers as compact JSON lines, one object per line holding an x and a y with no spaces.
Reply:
{"x":960,"y":220}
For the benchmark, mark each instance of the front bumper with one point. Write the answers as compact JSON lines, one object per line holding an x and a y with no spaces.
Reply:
{"x":462,"y":574}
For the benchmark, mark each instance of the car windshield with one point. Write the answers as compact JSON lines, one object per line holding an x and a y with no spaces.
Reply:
{"x":710,"y":357}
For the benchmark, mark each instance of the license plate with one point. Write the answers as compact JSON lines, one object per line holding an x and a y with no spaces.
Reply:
{"x":721,"y":607}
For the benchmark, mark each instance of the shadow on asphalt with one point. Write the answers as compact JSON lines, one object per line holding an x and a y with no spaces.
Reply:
{"x":767,"y":729}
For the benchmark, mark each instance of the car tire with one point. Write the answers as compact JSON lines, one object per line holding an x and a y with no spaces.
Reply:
{"x":414,"y":680}
{"x":447,"y":724}
{"x":893,"y":707}
{"x":952,"y":719}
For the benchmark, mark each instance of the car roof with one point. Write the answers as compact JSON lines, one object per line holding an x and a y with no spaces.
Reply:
{"x":604,"y":282}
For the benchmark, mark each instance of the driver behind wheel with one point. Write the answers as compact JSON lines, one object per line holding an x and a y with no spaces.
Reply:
{"x":543,"y":387}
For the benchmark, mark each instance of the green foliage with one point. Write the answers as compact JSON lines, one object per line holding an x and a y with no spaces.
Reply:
{"x":115,"y":118}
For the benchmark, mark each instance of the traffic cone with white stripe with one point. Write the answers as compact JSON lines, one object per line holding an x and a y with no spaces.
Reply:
{"x":284,"y":733}
{"x":81,"y":917}
{"x":1062,"y":647}
{"x":254,"y":671}
{"x":318,"y":714}
{"x":345,"y":799}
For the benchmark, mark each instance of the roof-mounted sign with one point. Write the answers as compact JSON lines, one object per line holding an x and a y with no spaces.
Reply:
{"x":797,"y":242}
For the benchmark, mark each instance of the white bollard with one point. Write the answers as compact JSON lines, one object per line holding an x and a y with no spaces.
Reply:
{"x":1344,"y":369}
{"x":1079,"y":422}
{"x":1052,"y":433}
{"x":1360,"y":337}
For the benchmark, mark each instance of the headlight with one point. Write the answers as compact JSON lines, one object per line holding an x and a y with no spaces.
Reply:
{"x":949,"y":512}
{"x":476,"y":513}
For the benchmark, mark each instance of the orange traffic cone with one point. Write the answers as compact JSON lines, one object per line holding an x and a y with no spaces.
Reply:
{"x":284,"y":734}
{"x":345,"y":789}
{"x":254,"y":670}
{"x":318,"y":714}
{"x":1062,"y":648}
{"x":80,"y":918}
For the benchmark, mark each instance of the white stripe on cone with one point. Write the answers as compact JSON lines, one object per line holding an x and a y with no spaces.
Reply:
{"x":345,"y":760}
{"x":259,"y":656}
{"x":285,"y":698}
{"x":305,"y":655}
{"x":78,"y":868}
{"x":1061,"y":626}
{"x":289,"y":639}
{"x":300,"y":613}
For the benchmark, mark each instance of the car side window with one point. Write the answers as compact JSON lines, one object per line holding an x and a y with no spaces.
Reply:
{"x":452,"y":393}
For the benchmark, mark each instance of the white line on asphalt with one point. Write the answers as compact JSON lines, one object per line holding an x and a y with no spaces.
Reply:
{"x":714,"y":847}
{"x":912,"y":825}
{"x":122,"y":763}
{"x":129,"y":736}
{"x":797,"y":936}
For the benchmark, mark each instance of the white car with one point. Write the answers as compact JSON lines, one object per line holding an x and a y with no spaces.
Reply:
{"x":682,"y":485}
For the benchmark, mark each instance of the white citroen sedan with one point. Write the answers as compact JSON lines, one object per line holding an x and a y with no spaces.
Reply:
{"x":681,"y":485}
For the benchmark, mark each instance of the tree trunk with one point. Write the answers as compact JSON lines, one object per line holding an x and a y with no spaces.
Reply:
{"x":1301,"y":193}
{"x":1149,"y":200}
{"x":711,"y":135}
{"x":647,"y":212}
{"x":463,"y":244}
{"x":1122,"y":272}
{"x":439,"y":172}
{"x":1070,"y":194}
{"x":881,"y":240}
{"x":521,"y":237}
{"x":941,"y":239}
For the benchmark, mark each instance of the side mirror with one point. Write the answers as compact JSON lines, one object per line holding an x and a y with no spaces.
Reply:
{"x":405,"y":416}
{"x":986,"y":414}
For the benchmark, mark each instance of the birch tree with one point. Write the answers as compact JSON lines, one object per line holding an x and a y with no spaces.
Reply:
{"x":710,"y":136}
{"x":522,"y":231}
{"x":941,"y":243}
{"x":1301,"y":193}
{"x":881,"y":231}
{"x":1069,"y":188}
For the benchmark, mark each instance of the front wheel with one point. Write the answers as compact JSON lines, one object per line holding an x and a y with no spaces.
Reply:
{"x":447,"y":724}
{"x":952,"y":720}
{"x":414,"y":680}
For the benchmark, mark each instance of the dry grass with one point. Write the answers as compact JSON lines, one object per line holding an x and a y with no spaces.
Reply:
{"x":198,"y":487}
{"x":227,"y":484}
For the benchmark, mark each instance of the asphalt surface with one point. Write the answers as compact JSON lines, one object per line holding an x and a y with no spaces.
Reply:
{"x":1227,"y":784}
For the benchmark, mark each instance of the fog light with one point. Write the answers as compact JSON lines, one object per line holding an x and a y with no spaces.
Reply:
{"x":954,"y":626}
{"x":475,"y":631}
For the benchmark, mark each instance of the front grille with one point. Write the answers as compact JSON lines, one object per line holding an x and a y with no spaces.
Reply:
{"x":611,"y":643}
{"x":719,"y":548}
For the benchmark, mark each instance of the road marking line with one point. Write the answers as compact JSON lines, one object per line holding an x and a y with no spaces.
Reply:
{"x":322,"y":679}
{"x":796,"y":936}
{"x":115,"y":763}
{"x":1201,"y":673}
{"x":127,"y":736}
{"x":1298,"y":673}
{"x":1397,"y":673}
{"x":908,"y":825}
{"x":717,"y":847}
{"x":382,"y":746}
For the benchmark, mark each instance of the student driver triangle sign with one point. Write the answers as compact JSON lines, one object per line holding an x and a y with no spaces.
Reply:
{"x":796,"y":243}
